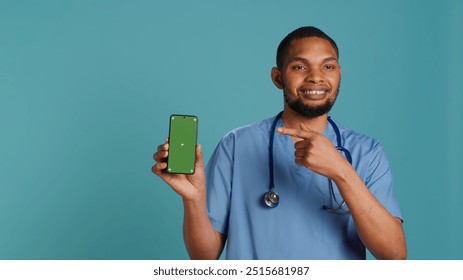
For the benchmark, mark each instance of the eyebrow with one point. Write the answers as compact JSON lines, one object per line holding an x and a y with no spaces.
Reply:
{"x":298,"y":58}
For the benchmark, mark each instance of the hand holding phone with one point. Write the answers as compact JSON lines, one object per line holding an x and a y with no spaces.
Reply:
{"x":183,"y":131}
{"x":188,"y":185}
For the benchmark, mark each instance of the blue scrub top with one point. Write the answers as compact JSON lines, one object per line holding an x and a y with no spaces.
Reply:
{"x":238,"y":178}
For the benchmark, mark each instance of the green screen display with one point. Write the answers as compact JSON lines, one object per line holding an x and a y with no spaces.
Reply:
{"x":182,"y":143}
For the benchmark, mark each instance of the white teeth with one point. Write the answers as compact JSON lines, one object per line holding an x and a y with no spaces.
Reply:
{"x":317,"y":92}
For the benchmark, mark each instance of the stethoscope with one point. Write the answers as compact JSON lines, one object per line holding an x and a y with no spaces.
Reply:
{"x":272,"y":199}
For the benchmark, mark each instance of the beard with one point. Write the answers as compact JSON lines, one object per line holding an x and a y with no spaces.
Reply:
{"x":309,"y":111}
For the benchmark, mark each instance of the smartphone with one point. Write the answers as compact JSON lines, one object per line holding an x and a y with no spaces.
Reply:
{"x":183,"y":132}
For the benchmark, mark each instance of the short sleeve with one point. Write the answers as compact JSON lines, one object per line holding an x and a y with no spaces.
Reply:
{"x":379,"y":181}
{"x":219,"y":173}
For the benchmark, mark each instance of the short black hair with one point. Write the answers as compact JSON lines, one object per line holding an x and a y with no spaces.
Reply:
{"x":301,"y":32}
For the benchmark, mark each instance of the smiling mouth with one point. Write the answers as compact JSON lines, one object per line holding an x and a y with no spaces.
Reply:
{"x":313,"y":94}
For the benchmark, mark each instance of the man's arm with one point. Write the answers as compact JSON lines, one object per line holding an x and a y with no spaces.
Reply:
{"x":201,"y":239}
{"x":379,"y":231}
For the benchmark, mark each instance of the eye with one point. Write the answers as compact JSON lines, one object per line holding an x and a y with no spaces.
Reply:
{"x":329,"y":67}
{"x":298,"y":67}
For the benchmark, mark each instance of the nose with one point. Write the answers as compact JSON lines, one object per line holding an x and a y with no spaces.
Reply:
{"x":314,"y":76}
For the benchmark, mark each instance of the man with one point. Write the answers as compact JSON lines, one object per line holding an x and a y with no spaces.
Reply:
{"x":335,"y":185}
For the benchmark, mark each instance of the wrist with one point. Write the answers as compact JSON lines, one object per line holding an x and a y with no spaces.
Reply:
{"x":195,"y":206}
{"x":343,"y":173}
{"x":196,"y":198}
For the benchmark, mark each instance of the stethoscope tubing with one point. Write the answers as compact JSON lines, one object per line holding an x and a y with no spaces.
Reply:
{"x":271,"y":198}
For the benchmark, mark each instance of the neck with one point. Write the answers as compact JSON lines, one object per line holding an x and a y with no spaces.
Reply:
{"x":294,"y":120}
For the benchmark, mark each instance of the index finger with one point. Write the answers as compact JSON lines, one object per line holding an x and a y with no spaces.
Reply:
{"x":163,"y":147}
{"x":299,"y":133}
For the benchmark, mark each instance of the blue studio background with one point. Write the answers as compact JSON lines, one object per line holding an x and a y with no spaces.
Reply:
{"x":87,"y":87}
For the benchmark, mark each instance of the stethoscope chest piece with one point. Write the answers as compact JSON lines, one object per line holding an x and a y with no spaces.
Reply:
{"x":271,"y":199}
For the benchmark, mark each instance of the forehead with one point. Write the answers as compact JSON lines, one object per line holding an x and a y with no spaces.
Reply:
{"x":311,"y":48}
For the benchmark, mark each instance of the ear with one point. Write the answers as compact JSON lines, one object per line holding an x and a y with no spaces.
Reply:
{"x":276,"y":77}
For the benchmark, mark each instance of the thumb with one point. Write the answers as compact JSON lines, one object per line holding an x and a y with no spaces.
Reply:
{"x":199,"y":157}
